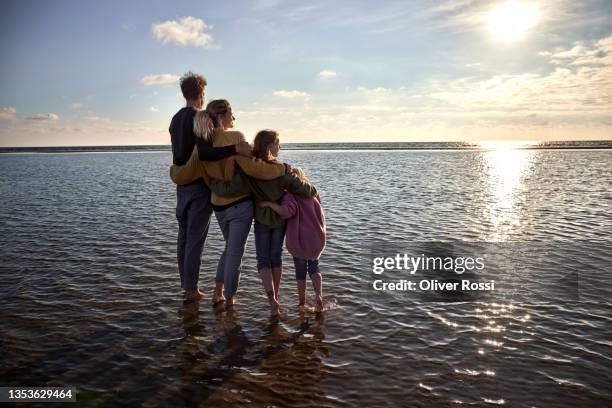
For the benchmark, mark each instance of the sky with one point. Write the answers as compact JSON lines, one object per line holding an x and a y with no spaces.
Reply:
{"x":76,"y":73}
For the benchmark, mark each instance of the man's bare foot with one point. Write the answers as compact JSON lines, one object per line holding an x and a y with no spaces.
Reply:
{"x":229,"y":303}
{"x":194,"y":294}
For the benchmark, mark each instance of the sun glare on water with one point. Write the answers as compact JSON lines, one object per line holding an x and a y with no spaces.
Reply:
{"x":506,"y":144}
{"x":510,"y":21}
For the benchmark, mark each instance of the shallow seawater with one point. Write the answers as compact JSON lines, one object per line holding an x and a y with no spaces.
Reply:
{"x":90,"y":292}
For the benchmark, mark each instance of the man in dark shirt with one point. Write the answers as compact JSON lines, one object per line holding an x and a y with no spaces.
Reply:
{"x":193,"y":207}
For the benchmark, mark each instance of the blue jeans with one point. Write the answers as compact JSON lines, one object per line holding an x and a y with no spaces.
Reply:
{"x":303,"y":265}
{"x":235,"y":224}
{"x":269,"y":245}
{"x":193,"y":211}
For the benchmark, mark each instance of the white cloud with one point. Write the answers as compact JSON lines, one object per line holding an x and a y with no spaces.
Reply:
{"x":160,"y":79}
{"x":96,"y":118}
{"x":128,"y":27}
{"x":7,"y":113}
{"x":291,"y":94}
{"x":474,"y":64}
{"x":75,"y":106}
{"x":327,"y":73}
{"x":265,"y":4}
{"x":573,"y":100}
{"x":153,"y":109}
{"x":43,"y":117}
{"x":187,"y":31}
{"x":301,"y":11}
{"x":581,"y":81}
{"x":448,"y":6}
{"x":80,"y":132}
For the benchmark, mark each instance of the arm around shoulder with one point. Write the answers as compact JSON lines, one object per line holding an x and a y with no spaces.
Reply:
{"x":298,"y":186}
{"x":206,"y":151}
{"x":260,"y":169}
{"x":189,"y":172}
{"x":235,"y":187}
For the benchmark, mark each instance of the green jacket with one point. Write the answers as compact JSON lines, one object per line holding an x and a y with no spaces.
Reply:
{"x":263,"y":190}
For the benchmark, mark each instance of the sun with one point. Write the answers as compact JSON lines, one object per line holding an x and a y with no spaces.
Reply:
{"x":510,"y":21}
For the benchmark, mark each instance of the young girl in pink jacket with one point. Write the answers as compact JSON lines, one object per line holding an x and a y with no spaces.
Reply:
{"x":305,"y":237}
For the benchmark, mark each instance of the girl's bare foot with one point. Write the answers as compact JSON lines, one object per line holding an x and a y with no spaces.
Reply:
{"x":301,"y":286}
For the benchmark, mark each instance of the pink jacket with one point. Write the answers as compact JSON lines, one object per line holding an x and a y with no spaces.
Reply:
{"x":305,"y":226}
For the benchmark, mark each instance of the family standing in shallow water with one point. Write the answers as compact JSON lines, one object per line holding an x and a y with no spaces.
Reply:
{"x":247,"y":183}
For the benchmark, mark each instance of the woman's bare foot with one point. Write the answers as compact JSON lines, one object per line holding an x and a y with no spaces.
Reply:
{"x":194,"y":294}
{"x":217,"y":300}
{"x":319,"y":307}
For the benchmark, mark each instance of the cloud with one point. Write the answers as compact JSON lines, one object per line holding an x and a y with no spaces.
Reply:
{"x":583,"y":54}
{"x":7,"y":113}
{"x":291,"y":94}
{"x":43,"y":117}
{"x":81,"y":132}
{"x":153,"y":109}
{"x":160,"y":79}
{"x":569,"y":99}
{"x":128,"y":27}
{"x":301,"y":11}
{"x":265,"y":4}
{"x":97,"y":118}
{"x":187,"y":31}
{"x":75,"y":106}
{"x":327,"y":73}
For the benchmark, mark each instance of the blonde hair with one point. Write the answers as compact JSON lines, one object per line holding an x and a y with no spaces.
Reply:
{"x":262,"y":144}
{"x":299,"y":173}
{"x":203,"y":125}
{"x":206,"y":121}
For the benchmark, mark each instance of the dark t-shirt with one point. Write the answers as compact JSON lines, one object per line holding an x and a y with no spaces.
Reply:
{"x":183,"y":140}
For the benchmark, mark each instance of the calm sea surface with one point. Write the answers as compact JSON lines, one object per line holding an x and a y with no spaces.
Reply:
{"x":90,"y":294}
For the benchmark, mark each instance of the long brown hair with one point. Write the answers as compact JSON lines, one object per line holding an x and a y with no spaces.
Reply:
{"x":262,"y":144}
{"x":206,"y":121}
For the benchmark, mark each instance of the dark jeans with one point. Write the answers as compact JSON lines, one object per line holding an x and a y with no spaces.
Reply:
{"x":302,"y":266}
{"x":193,"y":211}
{"x":269,"y":245}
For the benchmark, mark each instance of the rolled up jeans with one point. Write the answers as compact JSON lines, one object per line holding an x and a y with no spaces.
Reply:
{"x":304,"y":265}
{"x":269,"y":245}
{"x":235,"y":224}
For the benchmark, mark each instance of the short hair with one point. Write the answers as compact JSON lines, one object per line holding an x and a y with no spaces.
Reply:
{"x":192,"y":85}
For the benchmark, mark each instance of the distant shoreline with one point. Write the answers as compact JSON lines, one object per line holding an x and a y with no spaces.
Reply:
{"x":399,"y":146}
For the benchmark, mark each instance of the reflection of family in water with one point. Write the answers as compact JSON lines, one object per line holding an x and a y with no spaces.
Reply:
{"x":247,"y":182}
{"x":260,"y":356}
